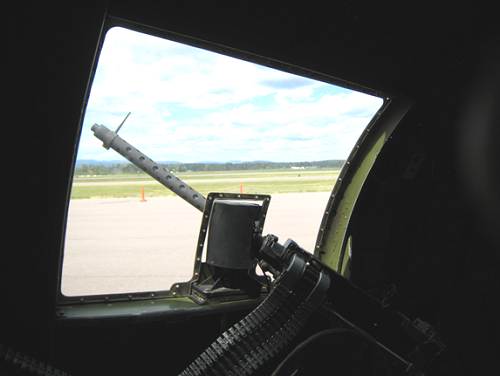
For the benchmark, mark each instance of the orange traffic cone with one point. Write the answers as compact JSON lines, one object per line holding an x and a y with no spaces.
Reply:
{"x":142,"y":194}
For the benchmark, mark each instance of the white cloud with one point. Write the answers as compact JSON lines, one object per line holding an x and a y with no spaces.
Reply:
{"x":188,"y":104}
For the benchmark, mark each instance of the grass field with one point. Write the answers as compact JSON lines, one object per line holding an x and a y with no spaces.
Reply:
{"x":253,"y":181}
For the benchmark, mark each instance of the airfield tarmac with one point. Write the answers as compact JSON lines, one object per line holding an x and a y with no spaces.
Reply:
{"x":125,"y":245}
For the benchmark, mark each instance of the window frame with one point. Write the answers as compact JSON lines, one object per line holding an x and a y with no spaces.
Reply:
{"x":111,"y":22}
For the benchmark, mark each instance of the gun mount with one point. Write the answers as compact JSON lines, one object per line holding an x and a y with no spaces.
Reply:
{"x":111,"y":140}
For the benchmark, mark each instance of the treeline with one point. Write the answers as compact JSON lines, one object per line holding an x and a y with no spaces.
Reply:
{"x":128,"y":168}
{"x":106,"y":169}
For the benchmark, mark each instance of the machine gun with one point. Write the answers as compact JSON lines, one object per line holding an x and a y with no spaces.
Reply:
{"x":111,"y":139}
{"x":230,"y":261}
{"x":301,"y":285}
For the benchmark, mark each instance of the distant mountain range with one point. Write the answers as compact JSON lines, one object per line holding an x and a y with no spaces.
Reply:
{"x":93,"y":167}
{"x":93,"y":162}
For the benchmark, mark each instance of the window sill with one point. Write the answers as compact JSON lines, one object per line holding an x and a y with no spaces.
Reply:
{"x":169,"y":308}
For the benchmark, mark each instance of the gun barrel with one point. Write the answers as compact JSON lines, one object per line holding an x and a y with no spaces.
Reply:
{"x":111,"y":140}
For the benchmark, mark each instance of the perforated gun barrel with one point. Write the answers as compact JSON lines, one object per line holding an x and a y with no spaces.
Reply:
{"x":111,"y":140}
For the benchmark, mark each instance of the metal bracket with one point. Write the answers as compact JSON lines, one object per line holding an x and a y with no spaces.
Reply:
{"x":185,"y":288}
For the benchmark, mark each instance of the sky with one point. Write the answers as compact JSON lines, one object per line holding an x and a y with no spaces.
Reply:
{"x":192,"y":105}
